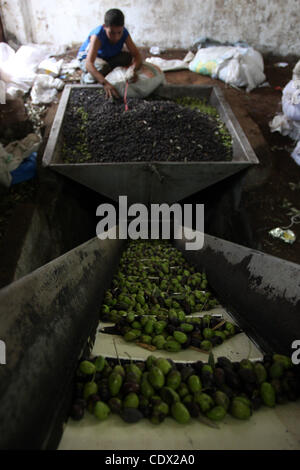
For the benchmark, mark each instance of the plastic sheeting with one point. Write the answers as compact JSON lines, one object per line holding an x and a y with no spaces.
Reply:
{"x":19,"y":70}
{"x":288,"y":122}
{"x":12,"y":156}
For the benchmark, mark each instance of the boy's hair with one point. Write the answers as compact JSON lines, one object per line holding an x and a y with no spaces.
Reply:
{"x":114,"y":17}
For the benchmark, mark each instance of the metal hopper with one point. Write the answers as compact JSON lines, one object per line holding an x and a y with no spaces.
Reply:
{"x":154,"y":182}
{"x":48,"y":316}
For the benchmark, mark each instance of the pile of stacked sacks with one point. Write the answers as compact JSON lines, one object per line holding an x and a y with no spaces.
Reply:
{"x":288,"y":122}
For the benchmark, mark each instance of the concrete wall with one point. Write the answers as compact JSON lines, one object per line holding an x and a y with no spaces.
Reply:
{"x":269,"y":26}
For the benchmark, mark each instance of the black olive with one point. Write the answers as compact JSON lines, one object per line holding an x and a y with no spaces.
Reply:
{"x":130,"y":387}
{"x":131,"y":415}
{"x":247,"y":375}
{"x":77,"y":412}
{"x":224,"y":362}
{"x":198,"y":366}
{"x":146,"y":411}
{"x":186,"y":372}
{"x":232,"y":379}
{"x":219,"y":376}
{"x":256,"y":402}
{"x":193,"y":409}
{"x":216,"y":340}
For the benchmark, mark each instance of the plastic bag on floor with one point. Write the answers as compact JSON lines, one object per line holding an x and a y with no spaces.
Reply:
{"x":296,"y":71}
{"x":237,"y":66}
{"x":26,"y":171}
{"x":169,"y":65}
{"x":45,"y":88}
{"x":13,"y":155}
{"x":18,"y":69}
{"x":50,"y":67}
{"x":244,"y":68}
{"x":156,"y":50}
{"x":280,"y":123}
{"x":2,"y":92}
{"x":291,"y":100}
{"x":149,"y":78}
{"x":296,"y":153}
{"x":288,"y":122}
{"x":70,"y":67}
{"x":6,"y":53}
{"x":208,"y":60}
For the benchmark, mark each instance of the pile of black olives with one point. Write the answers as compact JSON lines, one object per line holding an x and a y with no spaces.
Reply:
{"x":158,"y":388}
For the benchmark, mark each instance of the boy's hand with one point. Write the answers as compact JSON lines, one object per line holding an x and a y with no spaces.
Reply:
{"x":110,"y":91}
{"x":134,"y":77}
{"x":131,"y":75}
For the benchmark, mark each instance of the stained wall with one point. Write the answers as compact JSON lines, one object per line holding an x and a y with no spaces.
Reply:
{"x":269,"y":26}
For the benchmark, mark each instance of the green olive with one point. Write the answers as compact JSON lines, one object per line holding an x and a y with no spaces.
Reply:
{"x":101,"y":410}
{"x":87,"y":367}
{"x":180,"y":413}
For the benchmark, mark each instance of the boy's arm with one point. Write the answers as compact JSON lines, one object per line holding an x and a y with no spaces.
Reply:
{"x":95,"y":44}
{"x":137,"y":58}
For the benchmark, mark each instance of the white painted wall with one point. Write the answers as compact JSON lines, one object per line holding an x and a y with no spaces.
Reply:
{"x":266,"y":25}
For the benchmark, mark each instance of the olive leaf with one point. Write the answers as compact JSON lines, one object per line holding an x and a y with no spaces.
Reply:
{"x":117,"y":354}
{"x":208,"y":422}
{"x":211,"y":360}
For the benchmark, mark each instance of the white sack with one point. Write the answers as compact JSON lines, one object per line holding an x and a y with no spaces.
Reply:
{"x":208,"y":60}
{"x":296,"y":153}
{"x":296,"y":71}
{"x":2,"y":92}
{"x":50,"y":66}
{"x":238,"y":66}
{"x":281,"y":123}
{"x":149,"y":78}
{"x":291,"y":100}
{"x":45,"y":89}
{"x":18,"y":69}
{"x":6,"y":53}
{"x":70,"y":67}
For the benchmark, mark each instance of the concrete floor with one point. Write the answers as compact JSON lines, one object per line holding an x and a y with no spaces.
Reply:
{"x":269,"y":190}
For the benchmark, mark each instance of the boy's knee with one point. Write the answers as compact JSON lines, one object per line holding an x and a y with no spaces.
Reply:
{"x":102,"y":66}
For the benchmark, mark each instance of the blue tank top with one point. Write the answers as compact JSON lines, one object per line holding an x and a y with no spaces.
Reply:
{"x":107,"y":49}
